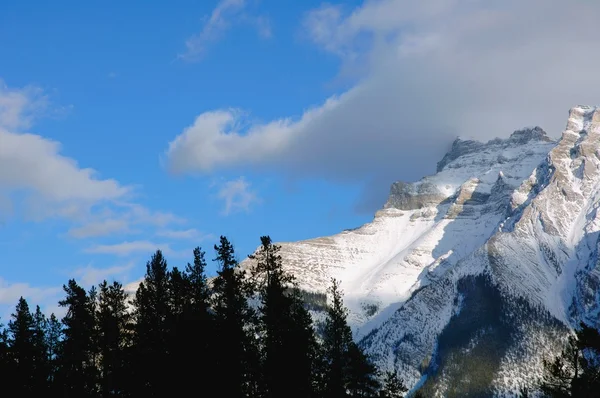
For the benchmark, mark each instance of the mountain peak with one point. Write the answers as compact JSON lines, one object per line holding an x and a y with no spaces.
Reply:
{"x":462,"y":147}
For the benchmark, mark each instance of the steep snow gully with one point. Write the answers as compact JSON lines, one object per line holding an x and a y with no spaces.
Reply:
{"x":488,"y":261}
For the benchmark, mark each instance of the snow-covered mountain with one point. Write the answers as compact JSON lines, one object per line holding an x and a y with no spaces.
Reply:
{"x":467,"y":278}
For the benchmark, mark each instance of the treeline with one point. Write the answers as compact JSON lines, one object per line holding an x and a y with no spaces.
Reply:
{"x":575,"y":372}
{"x":182,"y":335}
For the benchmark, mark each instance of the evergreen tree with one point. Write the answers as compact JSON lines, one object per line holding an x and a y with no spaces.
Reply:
{"x":337,"y":338}
{"x":237,"y":357}
{"x":22,"y":349}
{"x":41,"y":360}
{"x":113,"y":338}
{"x":362,"y":373}
{"x":77,"y":373}
{"x":151,"y":332}
{"x":576,"y":371}
{"x":53,"y":335}
{"x":195,"y":328}
{"x":6,"y":365}
{"x":287,"y":333}
{"x":348,"y":371}
{"x":393,"y":387}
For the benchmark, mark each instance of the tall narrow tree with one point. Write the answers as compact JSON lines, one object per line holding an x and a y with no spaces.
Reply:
{"x":348,"y":370}
{"x":22,"y":349}
{"x":77,"y":374}
{"x":287,"y":333}
{"x":113,"y":338}
{"x":53,"y":336}
{"x":151,"y":334}
{"x":6,"y":364}
{"x":195,"y":330}
{"x":233,"y":322}
{"x":41,"y":360}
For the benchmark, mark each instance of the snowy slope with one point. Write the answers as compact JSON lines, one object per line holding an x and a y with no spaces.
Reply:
{"x":406,"y":246}
{"x":480,"y":267}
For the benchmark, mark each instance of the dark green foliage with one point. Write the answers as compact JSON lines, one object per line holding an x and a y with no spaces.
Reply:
{"x":313,"y":301}
{"x":77,"y":373}
{"x":53,"y":341}
{"x":348,"y":372}
{"x":181,"y":336}
{"x":27,"y":350}
{"x":524,"y":392}
{"x":114,"y":338}
{"x":192,"y":326}
{"x":151,"y":334}
{"x":234,"y":320}
{"x":575,"y":372}
{"x":369,"y":309}
{"x":393,"y":387}
{"x":6,"y":365}
{"x":287,"y":336}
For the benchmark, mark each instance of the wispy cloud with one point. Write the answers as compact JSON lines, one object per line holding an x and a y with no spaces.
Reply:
{"x":99,"y":228}
{"x":53,"y":185}
{"x":237,"y":195}
{"x":127,"y":248}
{"x":11,"y":292}
{"x":426,"y":72}
{"x":185,"y":234}
{"x":123,"y":218}
{"x":222,"y":17}
{"x":91,"y":276}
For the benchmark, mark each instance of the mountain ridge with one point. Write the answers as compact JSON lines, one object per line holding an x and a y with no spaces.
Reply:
{"x":515,"y":219}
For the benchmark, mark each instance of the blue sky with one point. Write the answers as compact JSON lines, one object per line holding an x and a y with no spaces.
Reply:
{"x":245,"y":118}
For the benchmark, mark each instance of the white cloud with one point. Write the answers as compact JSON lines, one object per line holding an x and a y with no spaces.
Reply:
{"x":19,"y":107}
{"x":99,"y":228}
{"x":30,"y":165}
{"x":430,"y":71}
{"x":127,"y":248}
{"x":226,"y":13}
{"x":237,"y":195}
{"x":90,"y":276}
{"x":11,"y":292}
{"x":185,"y":234}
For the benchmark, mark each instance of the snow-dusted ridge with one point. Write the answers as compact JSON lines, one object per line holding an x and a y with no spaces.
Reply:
{"x":503,"y":239}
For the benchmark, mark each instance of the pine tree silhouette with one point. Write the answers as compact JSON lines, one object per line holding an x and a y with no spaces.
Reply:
{"x":22,"y":349}
{"x":238,"y":357}
{"x":286,"y":327}
{"x":393,"y":387}
{"x":151,"y":333}
{"x":348,"y":370}
{"x":77,"y":372}
{"x":113,"y":338}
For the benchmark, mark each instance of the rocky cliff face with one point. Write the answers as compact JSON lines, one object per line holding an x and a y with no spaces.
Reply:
{"x":479,"y":269}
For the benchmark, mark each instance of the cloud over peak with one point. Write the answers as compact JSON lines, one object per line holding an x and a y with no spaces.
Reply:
{"x":430,"y":71}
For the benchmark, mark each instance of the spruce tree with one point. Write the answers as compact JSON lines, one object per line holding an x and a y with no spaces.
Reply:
{"x":113,"y":339}
{"x":337,"y":338}
{"x":6,"y":364}
{"x":287,"y":333}
{"x":348,"y":370}
{"x":77,"y":372}
{"x":53,"y":336}
{"x":151,"y":332}
{"x":576,"y":371}
{"x":393,"y":387}
{"x":237,"y":358}
{"x":196,"y":335}
{"x":41,"y":361}
{"x":22,"y":349}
